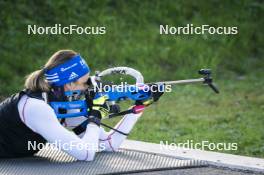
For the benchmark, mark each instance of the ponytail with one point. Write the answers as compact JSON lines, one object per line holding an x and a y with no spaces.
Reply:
{"x":36,"y":81}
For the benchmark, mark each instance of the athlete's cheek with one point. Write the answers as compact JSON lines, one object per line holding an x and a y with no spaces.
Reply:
{"x":82,"y":87}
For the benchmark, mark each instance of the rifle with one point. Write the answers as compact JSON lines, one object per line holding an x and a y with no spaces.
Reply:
{"x":128,"y":92}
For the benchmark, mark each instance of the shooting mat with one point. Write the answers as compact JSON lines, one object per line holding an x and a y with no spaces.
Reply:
{"x":52,"y":161}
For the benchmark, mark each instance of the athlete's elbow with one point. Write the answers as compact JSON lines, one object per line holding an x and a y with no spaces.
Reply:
{"x":85,"y":155}
{"x":114,"y":145}
{"x":90,"y":156}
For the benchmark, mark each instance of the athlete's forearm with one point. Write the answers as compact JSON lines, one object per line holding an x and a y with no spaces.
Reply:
{"x":111,"y":141}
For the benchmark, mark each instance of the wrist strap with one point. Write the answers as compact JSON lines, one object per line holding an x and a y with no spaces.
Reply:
{"x":120,"y":132}
{"x":82,"y":127}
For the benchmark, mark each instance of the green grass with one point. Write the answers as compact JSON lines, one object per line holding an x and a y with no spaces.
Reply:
{"x":132,"y":39}
{"x":194,"y":112}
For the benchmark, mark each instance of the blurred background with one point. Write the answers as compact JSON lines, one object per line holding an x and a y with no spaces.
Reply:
{"x":132,"y":39}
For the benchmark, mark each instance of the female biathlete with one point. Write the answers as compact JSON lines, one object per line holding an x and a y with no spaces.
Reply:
{"x":27,"y":119}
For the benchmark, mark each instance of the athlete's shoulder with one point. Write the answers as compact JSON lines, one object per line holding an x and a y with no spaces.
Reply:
{"x":34,"y":103}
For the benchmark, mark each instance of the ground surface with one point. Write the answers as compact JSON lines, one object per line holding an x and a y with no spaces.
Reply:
{"x":200,"y":171}
{"x":51,"y":161}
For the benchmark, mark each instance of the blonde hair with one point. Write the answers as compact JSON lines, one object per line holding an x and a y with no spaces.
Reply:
{"x":36,"y":80}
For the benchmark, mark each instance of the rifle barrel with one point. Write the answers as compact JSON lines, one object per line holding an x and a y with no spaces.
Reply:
{"x":188,"y":81}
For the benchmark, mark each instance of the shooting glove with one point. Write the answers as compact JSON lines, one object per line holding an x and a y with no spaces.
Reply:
{"x":156,"y":93}
{"x":99,"y":110}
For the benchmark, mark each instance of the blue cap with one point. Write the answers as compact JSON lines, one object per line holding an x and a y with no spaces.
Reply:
{"x":67,"y":72}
